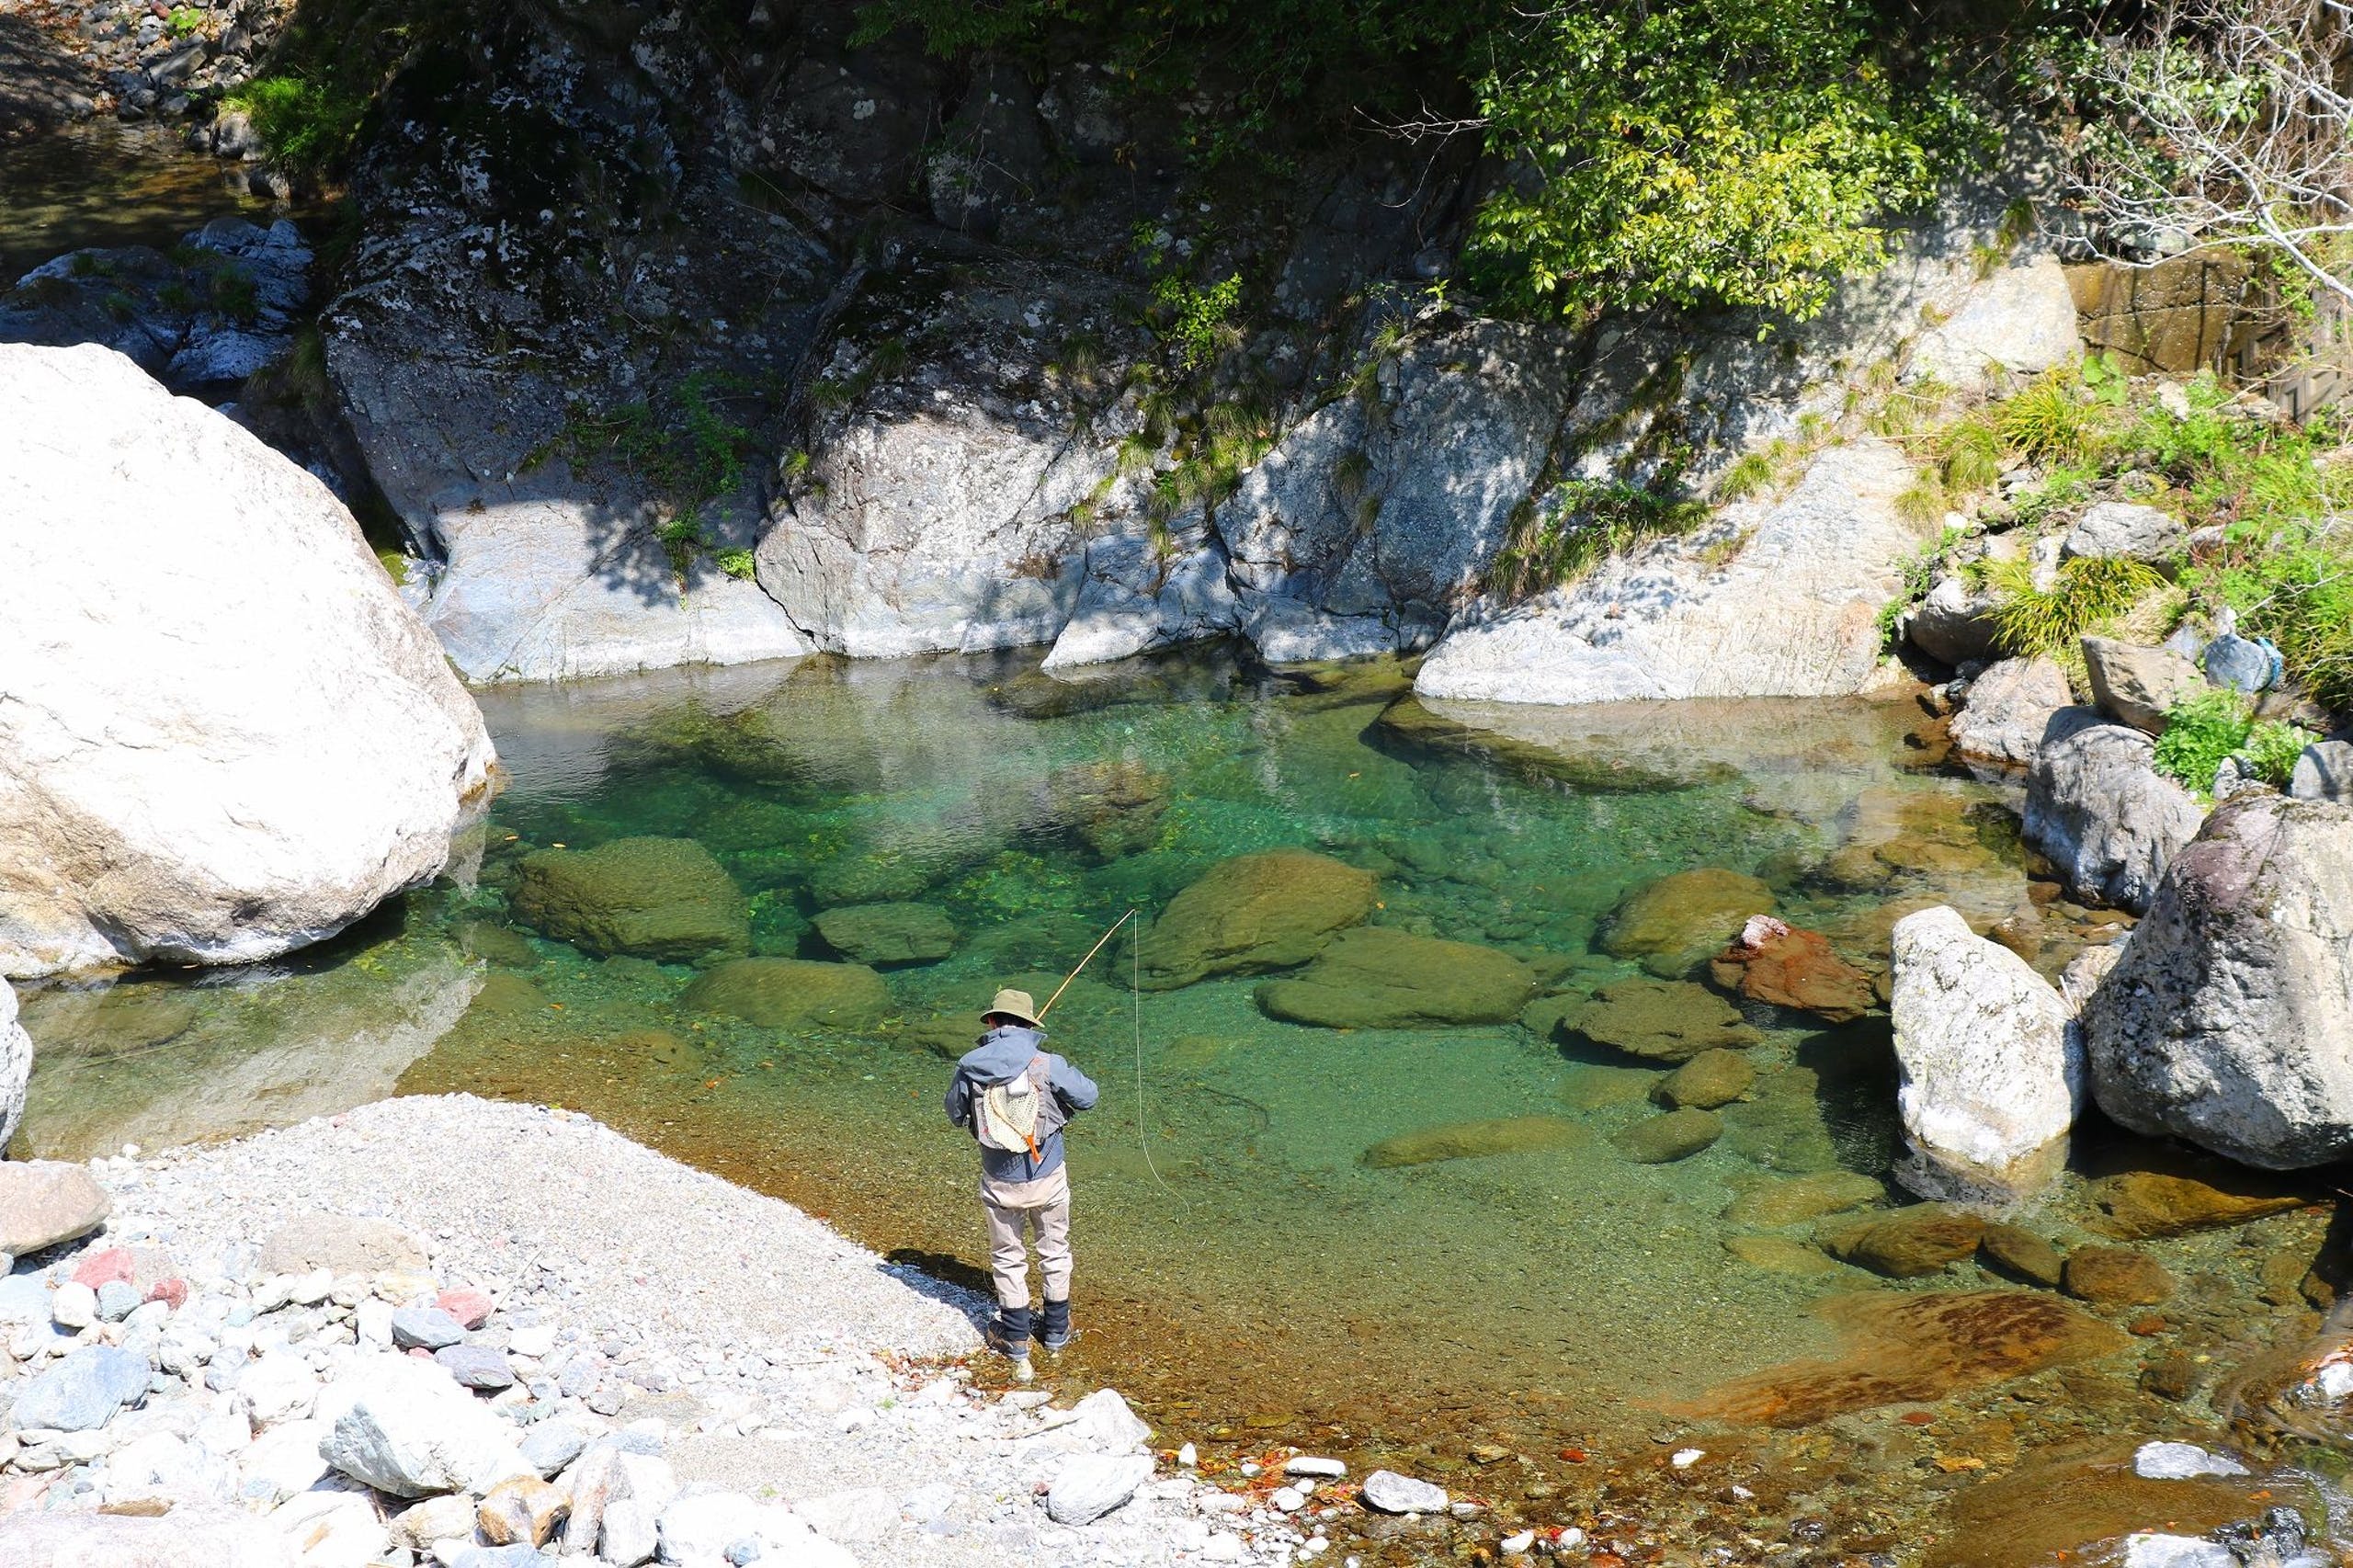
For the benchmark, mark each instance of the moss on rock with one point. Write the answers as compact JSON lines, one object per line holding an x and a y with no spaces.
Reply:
{"x":1380,"y":978}
{"x":665,"y":899}
{"x":1253,"y":913}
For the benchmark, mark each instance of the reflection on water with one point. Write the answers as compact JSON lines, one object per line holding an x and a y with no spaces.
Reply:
{"x":1246,"y":1266}
{"x":104,"y":182}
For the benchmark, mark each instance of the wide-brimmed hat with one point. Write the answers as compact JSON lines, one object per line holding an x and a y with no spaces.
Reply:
{"x":1015,"y":1005}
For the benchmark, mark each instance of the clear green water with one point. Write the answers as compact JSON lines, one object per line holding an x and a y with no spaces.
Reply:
{"x":1265,"y":1285}
{"x":105,"y":183}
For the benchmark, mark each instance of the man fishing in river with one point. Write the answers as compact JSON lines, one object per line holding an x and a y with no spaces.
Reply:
{"x":1014,"y":1096}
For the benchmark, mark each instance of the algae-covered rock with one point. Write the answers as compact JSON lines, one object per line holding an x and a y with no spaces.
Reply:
{"x":1253,"y":913}
{"x":1709,"y":1079}
{"x":2020,"y":1253}
{"x":494,"y":943}
{"x":792,"y":993}
{"x":1380,"y":978}
{"x":1473,"y":1141}
{"x":1804,"y":1198}
{"x":1676,"y":923}
{"x":1660,"y":1020}
{"x":2116,"y":1277}
{"x":1910,"y":1244}
{"x":1664,"y":1139}
{"x":2138,"y":1205}
{"x":1777,"y":1255}
{"x":666,"y":899}
{"x":887,"y":934}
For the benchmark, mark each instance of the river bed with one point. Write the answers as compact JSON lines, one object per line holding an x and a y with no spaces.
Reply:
{"x":1541,"y":1326}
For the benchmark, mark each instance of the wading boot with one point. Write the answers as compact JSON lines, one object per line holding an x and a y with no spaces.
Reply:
{"x":1054,"y":1327}
{"x":1008,"y":1336}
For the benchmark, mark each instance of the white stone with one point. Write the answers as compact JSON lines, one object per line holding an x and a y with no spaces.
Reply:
{"x":534,"y":1340}
{"x":227,"y":735}
{"x":1109,"y":1423}
{"x":1387,"y":1491}
{"x":403,"y":1427}
{"x":332,"y":1528}
{"x":164,"y":1465}
{"x":15,"y":1065}
{"x":287,"y":1458}
{"x":2154,"y":1551}
{"x":1311,"y":1464}
{"x":1792,"y":612}
{"x":859,"y":1515}
{"x":1684,"y":1459}
{"x":1088,"y":1486}
{"x":214,"y":1536}
{"x":2181,"y":1462}
{"x":629,"y":1533}
{"x":74,"y":1305}
{"x":1518,"y":1545}
{"x":278,"y":1387}
{"x":1287,"y":1499}
{"x":1991,"y":1077}
{"x":696,"y":1528}
{"x":372,"y":1320}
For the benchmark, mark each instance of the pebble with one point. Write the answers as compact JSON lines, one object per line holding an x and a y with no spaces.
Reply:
{"x":117,"y":1299}
{"x":1308,"y":1464}
{"x":425,"y":1328}
{"x":75,"y":1305}
{"x":1390,"y":1493}
{"x":475,"y":1367}
{"x":2181,"y":1462}
{"x":1518,"y":1545}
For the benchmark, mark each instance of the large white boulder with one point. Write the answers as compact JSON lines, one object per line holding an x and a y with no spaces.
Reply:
{"x":402,"y":1426}
{"x":2097,"y":807}
{"x":2228,"y":1021}
{"x":15,"y":1065}
{"x":701,"y":1530}
{"x":215,"y":1537}
{"x":1776,"y":597}
{"x":225,"y":734}
{"x":1991,"y":1076}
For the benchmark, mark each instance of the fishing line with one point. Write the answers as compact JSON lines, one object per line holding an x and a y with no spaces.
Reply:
{"x":1135,"y":1002}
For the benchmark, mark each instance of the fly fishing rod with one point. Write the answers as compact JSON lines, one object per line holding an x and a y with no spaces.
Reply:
{"x":1135,"y":1000}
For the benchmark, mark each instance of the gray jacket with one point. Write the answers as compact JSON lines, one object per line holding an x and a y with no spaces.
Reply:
{"x":1003,"y":1055}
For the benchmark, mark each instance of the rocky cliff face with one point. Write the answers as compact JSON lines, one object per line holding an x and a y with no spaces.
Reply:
{"x":671,"y":335}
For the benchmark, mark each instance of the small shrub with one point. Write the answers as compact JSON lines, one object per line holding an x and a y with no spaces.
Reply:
{"x":1197,"y":318}
{"x":184,"y":20}
{"x":2048,"y":423}
{"x":1752,"y":475}
{"x":2086,"y":594}
{"x":737,"y":564}
{"x":304,"y":122}
{"x":2272,"y":748}
{"x":1923,"y":500}
{"x":1593,"y":519}
{"x":2199,"y":733}
{"x":1973,"y":454}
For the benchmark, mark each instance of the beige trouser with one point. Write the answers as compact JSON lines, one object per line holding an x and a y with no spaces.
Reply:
{"x":1015,"y":1206}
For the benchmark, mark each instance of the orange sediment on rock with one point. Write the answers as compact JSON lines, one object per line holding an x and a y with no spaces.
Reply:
{"x":1902,"y":1349}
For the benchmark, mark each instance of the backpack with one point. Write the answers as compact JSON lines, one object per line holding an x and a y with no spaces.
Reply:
{"x":1005,"y":1116}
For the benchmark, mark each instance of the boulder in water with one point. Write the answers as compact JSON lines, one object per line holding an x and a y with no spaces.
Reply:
{"x":1674,"y":924}
{"x":2139,"y":1205}
{"x":1380,"y":978}
{"x":1992,"y":1074}
{"x":2097,"y":807}
{"x":884,"y":935}
{"x":1771,"y":962}
{"x":1669,"y":1136}
{"x":1474,"y":1140}
{"x":1660,"y":1020}
{"x":1710,"y":1079}
{"x":228,"y":736}
{"x":2228,"y":1021}
{"x":1909,"y":1243}
{"x":1253,"y":913}
{"x":1799,"y":1199}
{"x":2007,"y":711}
{"x":2116,"y":1277}
{"x":792,"y":993}
{"x":665,"y":899}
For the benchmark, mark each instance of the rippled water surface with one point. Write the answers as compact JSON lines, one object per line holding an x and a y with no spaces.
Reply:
{"x":1557,"y":1310}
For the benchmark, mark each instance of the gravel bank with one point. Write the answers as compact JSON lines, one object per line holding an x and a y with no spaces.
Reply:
{"x":720,"y":1377}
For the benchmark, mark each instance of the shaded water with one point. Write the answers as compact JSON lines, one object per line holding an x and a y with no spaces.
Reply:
{"x":1243,"y":1269}
{"x":108,"y":183}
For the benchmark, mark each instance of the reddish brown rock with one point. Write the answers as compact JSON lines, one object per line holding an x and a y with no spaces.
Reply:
{"x":1773,"y":963}
{"x":2117,"y":1276}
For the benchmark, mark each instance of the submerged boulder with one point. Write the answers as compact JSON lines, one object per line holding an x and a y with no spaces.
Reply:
{"x":1674,"y":924}
{"x":792,"y":993}
{"x":1992,"y":1076}
{"x":1710,"y":1079}
{"x":1659,"y":1020}
{"x":2228,"y":1021}
{"x":887,"y":933}
{"x":1910,"y":1244}
{"x":1669,"y":1136}
{"x":227,"y":736}
{"x":1380,"y":978}
{"x":2097,"y":807}
{"x":2138,"y":1205}
{"x":1473,"y":1141}
{"x":1251,"y":915}
{"x":1771,"y":962}
{"x":665,"y":899}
